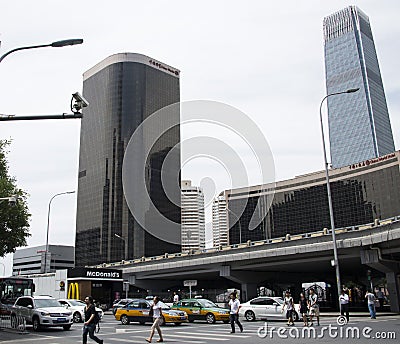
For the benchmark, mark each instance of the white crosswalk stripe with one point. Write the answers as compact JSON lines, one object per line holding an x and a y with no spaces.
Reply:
{"x":213,"y":334}
{"x":165,"y":340}
{"x":124,"y":340}
{"x":197,"y":336}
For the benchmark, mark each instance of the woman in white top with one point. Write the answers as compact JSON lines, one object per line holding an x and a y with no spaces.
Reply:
{"x":157,"y":316}
{"x":289,"y":304}
{"x":344,"y":304}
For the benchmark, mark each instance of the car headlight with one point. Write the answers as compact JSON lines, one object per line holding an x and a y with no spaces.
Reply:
{"x":45,"y":314}
{"x":223,"y":312}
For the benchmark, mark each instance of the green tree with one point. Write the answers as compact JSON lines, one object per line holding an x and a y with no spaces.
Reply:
{"x":14,"y":219}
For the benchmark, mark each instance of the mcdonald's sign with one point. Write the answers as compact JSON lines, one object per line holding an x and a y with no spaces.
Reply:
{"x":73,"y":291}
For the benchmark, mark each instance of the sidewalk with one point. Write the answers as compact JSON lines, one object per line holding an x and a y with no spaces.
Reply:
{"x":358,"y":314}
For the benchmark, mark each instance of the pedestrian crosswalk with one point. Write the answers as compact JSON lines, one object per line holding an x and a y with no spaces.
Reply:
{"x":197,"y":333}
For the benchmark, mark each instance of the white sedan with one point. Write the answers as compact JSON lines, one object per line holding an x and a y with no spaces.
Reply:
{"x":265,"y":307}
{"x":77,"y":307}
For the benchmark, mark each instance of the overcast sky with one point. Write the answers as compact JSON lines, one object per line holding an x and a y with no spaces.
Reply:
{"x":262,"y":57}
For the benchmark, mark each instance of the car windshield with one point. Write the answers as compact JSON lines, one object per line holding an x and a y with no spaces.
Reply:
{"x":77,"y":303}
{"x":41,"y":303}
{"x":163,"y":305}
{"x":123,"y":302}
{"x":207,"y":304}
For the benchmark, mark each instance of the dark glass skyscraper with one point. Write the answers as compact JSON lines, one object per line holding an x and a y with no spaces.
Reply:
{"x":123,"y":90}
{"x":361,"y":193}
{"x":359,"y":124}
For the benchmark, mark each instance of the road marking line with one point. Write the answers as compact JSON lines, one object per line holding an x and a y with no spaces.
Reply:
{"x":125,"y":340}
{"x":237,"y":335}
{"x":196,"y":337}
{"x":127,"y":330}
{"x":186,"y":341}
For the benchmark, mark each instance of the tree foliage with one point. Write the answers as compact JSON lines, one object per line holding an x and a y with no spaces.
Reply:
{"x":14,"y":219}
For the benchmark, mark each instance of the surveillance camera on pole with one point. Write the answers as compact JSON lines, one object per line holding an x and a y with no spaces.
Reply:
{"x":78,"y":102}
{"x":12,"y":200}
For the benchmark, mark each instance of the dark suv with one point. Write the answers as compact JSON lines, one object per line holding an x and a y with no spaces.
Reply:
{"x":42,"y":311}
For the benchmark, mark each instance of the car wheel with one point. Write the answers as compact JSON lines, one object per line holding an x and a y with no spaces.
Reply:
{"x":125,"y":320}
{"x":295,"y":316}
{"x":77,"y":317}
{"x":36,"y":323}
{"x":210,"y":318}
{"x":67,"y":327}
{"x":250,"y":316}
{"x":191,"y":320}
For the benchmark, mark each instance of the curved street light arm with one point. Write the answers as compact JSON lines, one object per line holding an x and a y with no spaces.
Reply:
{"x":56,"y":44}
{"x":48,"y":226}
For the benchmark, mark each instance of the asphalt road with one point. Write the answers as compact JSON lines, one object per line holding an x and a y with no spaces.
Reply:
{"x":202,"y":333}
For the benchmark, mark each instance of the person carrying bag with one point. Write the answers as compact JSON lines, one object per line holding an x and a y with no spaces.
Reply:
{"x":156,"y":313}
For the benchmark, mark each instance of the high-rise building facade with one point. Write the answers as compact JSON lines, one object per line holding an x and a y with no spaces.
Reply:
{"x":220,"y":226}
{"x":359,"y":124}
{"x":193,"y":219}
{"x":123,"y":91}
{"x":361,"y":193}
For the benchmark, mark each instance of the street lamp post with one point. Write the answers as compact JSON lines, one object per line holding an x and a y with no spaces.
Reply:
{"x":125,"y":245}
{"x":76,"y":112}
{"x":56,"y":44}
{"x":328,"y":188}
{"x":48,"y":226}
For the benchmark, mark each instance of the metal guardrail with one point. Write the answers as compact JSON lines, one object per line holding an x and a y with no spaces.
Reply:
{"x":288,"y":237}
{"x":13,"y":322}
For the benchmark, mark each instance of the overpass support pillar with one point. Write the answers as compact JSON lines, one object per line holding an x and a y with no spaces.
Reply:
{"x":393,"y":286}
{"x":391,"y":268}
{"x":247,"y":280}
{"x":248,"y":291}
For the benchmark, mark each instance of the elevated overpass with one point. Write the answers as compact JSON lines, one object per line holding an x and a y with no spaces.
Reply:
{"x":289,"y":259}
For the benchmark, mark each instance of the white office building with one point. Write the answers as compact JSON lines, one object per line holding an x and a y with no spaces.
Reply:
{"x":32,"y":260}
{"x":220,"y":226}
{"x":193,"y":220}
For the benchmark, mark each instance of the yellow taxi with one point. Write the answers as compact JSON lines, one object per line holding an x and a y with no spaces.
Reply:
{"x":202,"y":309}
{"x":138,"y":311}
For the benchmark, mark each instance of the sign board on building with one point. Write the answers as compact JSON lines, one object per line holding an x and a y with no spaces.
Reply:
{"x":95,"y":274}
{"x":190,"y":283}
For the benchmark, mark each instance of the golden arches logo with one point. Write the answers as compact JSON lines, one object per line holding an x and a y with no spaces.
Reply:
{"x":73,"y":291}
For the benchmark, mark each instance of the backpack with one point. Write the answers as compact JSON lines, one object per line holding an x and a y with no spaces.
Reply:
{"x":96,"y":320}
